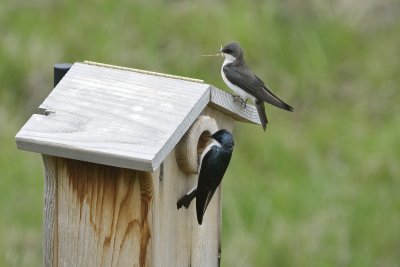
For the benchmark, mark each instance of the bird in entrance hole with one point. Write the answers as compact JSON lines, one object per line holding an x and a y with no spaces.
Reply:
{"x":212,"y":166}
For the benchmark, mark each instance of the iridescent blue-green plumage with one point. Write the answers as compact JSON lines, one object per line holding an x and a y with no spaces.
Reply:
{"x":215,"y":161}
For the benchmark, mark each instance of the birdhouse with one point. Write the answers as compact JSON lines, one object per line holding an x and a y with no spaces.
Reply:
{"x":120,"y":146}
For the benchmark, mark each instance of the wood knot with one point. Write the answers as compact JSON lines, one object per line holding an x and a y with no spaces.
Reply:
{"x":192,"y":144}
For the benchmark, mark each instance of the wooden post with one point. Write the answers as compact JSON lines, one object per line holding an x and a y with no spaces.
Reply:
{"x":60,"y":70}
{"x":119,"y":149}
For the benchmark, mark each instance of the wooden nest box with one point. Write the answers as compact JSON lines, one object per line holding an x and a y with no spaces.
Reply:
{"x":120,"y":147}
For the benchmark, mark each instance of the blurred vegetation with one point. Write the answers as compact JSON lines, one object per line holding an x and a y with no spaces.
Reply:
{"x":319,"y":188}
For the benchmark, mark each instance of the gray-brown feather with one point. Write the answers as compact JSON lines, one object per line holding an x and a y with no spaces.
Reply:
{"x":245,"y":79}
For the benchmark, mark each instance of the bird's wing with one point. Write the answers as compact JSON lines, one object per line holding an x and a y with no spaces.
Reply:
{"x":212,"y":170}
{"x":245,"y":79}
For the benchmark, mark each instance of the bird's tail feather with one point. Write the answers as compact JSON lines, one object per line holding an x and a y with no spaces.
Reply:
{"x":283,"y":105}
{"x":186,"y":200}
{"x":272,"y":99}
{"x":202,"y":203}
{"x":261,"y":113}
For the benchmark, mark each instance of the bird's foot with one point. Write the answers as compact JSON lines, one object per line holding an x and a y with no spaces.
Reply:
{"x":183,"y":201}
{"x":186,"y":200}
{"x":237,"y":98}
{"x":243,"y":102}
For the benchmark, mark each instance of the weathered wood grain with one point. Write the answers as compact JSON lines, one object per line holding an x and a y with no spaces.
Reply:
{"x":121,"y":118}
{"x":223,"y":121}
{"x":104,"y":215}
{"x":178,"y":239}
{"x":223,"y":102}
{"x":101,"y":215}
{"x":114,"y":117}
{"x":189,"y":149}
{"x":202,"y":241}
{"x":108,"y":216}
{"x":50,"y":221}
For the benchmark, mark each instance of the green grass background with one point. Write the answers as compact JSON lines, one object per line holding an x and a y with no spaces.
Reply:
{"x":319,"y":188}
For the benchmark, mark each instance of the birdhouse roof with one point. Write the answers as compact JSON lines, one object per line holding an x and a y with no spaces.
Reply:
{"x":120,"y":116}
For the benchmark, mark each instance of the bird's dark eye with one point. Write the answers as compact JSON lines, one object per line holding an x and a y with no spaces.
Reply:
{"x":228,"y":50}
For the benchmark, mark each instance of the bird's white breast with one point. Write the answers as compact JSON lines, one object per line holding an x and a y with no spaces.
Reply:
{"x":205,"y":151}
{"x":238,"y":91}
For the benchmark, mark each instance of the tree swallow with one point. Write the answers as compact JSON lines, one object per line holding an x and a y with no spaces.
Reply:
{"x":213,"y":163}
{"x":245,"y":84}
